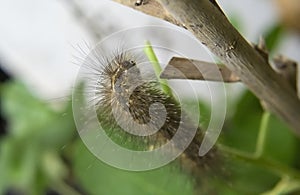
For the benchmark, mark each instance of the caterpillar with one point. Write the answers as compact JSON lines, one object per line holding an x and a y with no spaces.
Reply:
{"x":137,"y":115}
{"x":118,"y":90}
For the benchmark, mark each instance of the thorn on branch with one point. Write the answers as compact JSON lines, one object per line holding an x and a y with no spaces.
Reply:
{"x":287,"y":68}
{"x":261,"y":48}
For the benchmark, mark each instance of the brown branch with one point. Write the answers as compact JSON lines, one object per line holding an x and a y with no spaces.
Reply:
{"x":205,"y":20}
{"x":182,"y":68}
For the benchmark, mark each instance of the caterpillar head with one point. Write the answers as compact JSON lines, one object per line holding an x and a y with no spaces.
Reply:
{"x":125,"y":73}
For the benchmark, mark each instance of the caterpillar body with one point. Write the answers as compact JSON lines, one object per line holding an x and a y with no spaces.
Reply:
{"x":136,"y":114}
{"x":126,"y":119}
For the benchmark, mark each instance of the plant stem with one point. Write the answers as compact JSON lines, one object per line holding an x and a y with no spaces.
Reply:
{"x":157,"y":68}
{"x":275,"y":167}
{"x":260,"y":145}
{"x":284,"y":186}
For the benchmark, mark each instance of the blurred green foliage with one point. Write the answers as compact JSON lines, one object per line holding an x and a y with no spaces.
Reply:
{"x":34,"y":141}
{"x":42,"y":151}
{"x":99,"y":178}
{"x":273,"y":36}
{"x":281,"y":146}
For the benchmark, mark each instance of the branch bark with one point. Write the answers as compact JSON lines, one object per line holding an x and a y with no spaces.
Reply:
{"x":205,"y":20}
{"x":182,"y":68}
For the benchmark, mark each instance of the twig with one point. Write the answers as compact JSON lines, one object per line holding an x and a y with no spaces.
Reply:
{"x":182,"y":68}
{"x":260,"y":145}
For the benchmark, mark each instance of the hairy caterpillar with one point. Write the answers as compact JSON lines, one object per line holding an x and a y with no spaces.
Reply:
{"x":118,"y":90}
{"x":137,"y":115}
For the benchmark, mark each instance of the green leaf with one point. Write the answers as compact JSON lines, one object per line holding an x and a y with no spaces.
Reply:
{"x":242,"y":129}
{"x":248,"y":178}
{"x":18,"y":164}
{"x":99,"y":178}
{"x":281,"y":143}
